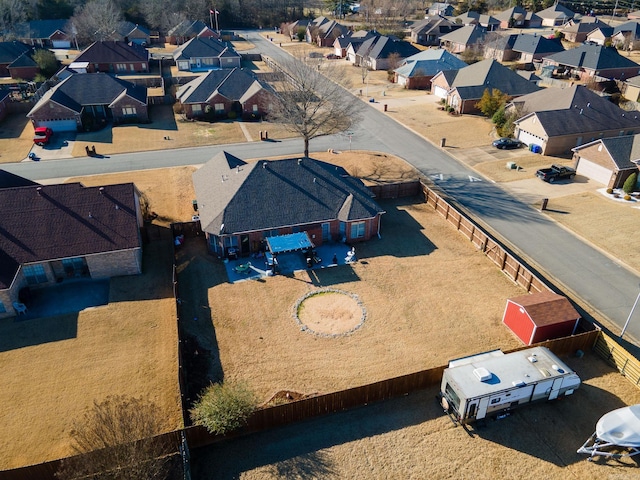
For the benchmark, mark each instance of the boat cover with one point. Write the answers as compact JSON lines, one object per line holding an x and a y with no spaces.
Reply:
{"x":620,"y":427}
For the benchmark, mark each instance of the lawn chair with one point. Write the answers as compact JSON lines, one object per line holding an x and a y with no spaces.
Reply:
{"x":20,"y":308}
{"x":243,"y":268}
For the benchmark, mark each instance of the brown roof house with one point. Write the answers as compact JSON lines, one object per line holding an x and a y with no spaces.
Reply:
{"x":218,"y":93}
{"x":50,"y":233}
{"x":462,"y":89}
{"x":609,"y":161}
{"x":428,"y":31}
{"x":240,"y":203}
{"x":85,"y":101}
{"x":540,"y":316}
{"x":115,"y":57}
{"x":323,"y":32}
{"x":559,"y":119}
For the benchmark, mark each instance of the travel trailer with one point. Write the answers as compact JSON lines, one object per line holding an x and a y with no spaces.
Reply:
{"x":491,"y":383}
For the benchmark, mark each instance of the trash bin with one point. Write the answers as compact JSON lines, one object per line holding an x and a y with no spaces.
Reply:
{"x":443,"y":142}
{"x":385,"y":107}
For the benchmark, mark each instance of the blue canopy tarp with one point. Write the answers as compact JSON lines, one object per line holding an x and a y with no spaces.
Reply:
{"x":289,"y":243}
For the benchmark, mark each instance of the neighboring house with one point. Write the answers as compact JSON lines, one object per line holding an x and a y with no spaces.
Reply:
{"x":513,"y":17}
{"x":609,"y":161}
{"x":293,"y":27}
{"x":559,"y":119}
{"x":83,"y":101}
{"x":132,"y":32}
{"x":555,"y":16}
{"x":24,"y":67}
{"x":635,"y":15}
{"x":428,"y":31}
{"x":418,"y":70}
{"x":385,"y":53}
{"x":463,"y":88}
{"x":500,"y":47}
{"x":188,"y":29}
{"x":441,"y":8}
{"x":49,"y":233}
{"x":489,"y":23}
{"x":532,"y":20}
{"x":341,"y":44}
{"x":115,"y":57}
{"x":631,"y":89}
{"x":323,"y":32}
{"x":222,"y":91}
{"x":588,"y":62}
{"x":600,"y":36}
{"x":577,"y":31}
{"x":535,"y":47}
{"x":463,"y":38}
{"x":5,"y":99}
{"x":467,"y":18}
{"x":627,"y":36}
{"x":9,"y":53}
{"x":240,"y":203}
{"x":200,"y":54}
{"x":44,"y":33}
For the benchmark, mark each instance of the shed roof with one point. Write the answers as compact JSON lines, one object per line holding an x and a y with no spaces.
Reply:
{"x":546,"y":308}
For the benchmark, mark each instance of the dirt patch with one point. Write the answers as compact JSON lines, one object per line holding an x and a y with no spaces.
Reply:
{"x":329,"y":312}
{"x":16,"y":138}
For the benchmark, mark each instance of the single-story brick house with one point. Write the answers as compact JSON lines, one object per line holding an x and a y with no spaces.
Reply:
{"x":49,"y":233}
{"x":223,"y":91}
{"x":9,"y":53}
{"x":240,"y":203}
{"x":417,"y":70}
{"x":589,"y":62}
{"x":609,"y":161}
{"x":115,"y":57}
{"x":84,"y":100}
{"x":49,"y":33}
{"x":200,"y":54}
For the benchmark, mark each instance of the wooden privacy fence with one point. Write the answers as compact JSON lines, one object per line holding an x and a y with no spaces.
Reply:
{"x":616,"y":356}
{"x":509,"y":264}
{"x":396,"y":190}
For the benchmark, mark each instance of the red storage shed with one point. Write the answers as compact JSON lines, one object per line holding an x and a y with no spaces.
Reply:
{"x":540,"y":316}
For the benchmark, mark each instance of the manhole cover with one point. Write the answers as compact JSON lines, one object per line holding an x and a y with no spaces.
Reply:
{"x":329,"y":312}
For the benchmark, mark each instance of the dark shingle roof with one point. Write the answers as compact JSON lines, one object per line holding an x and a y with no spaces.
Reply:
{"x":537,"y":44}
{"x":632,"y":26}
{"x":623,"y":150}
{"x":238,"y":197}
{"x":61,"y":221}
{"x":517,"y":13}
{"x":24,"y":60}
{"x":467,"y":35}
{"x":230,"y":83}
{"x":556,"y":11}
{"x":576,"y":110}
{"x":10,"y":51}
{"x":385,"y":47}
{"x":113,"y":52}
{"x":90,"y":89}
{"x":199,"y":47}
{"x":125,"y":28}
{"x":429,"y":62}
{"x":40,"y":29}
{"x":592,"y":57}
{"x":187,"y":28}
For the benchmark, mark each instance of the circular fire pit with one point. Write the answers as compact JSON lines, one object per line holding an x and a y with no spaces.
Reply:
{"x":329,"y":312}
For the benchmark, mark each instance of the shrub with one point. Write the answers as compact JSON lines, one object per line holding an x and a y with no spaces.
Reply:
{"x":232,"y":115}
{"x":630,"y":183}
{"x":627,"y":197}
{"x":223,"y":407}
{"x":609,"y":191}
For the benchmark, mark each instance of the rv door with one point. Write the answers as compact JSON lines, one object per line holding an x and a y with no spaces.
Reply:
{"x":482,"y":408}
{"x":555,"y":389}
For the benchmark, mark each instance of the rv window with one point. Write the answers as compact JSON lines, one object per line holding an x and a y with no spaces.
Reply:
{"x":495,"y":400}
{"x":453,"y":397}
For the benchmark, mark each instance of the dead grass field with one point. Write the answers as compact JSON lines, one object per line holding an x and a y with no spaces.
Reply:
{"x":528,"y":164}
{"x":52,"y":369}
{"x":16,"y":138}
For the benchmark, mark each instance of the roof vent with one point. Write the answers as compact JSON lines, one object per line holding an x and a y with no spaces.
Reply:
{"x":264,"y":164}
{"x":101,"y":190}
{"x":38,"y":190}
{"x":314,"y":179}
{"x":581,"y":111}
{"x":532,"y":358}
{"x":90,"y":216}
{"x":589,"y":105}
{"x":482,"y":374}
{"x":299,"y":161}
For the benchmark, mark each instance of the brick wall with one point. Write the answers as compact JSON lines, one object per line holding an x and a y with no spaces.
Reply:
{"x":142,"y":114}
{"x":54,"y":111}
{"x":112,"y":264}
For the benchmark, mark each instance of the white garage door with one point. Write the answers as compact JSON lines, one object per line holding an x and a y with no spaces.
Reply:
{"x":440,"y":92}
{"x":59,"y":125}
{"x":594,"y":171}
{"x":61,"y":44}
{"x":530,"y":139}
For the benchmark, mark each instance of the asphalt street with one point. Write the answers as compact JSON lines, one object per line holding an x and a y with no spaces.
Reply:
{"x":593,"y":279}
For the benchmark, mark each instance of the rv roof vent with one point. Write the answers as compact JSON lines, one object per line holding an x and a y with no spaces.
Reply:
{"x":545,"y":372}
{"x":482,"y":374}
{"x":557,"y":368}
{"x":519,"y":383}
{"x":532,"y":359}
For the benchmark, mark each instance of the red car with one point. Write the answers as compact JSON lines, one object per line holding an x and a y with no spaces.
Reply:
{"x":42,"y":136}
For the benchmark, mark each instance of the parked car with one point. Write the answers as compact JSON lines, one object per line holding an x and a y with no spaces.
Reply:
{"x":42,"y":136}
{"x":555,"y":172}
{"x":507,"y":143}
{"x":332,"y":56}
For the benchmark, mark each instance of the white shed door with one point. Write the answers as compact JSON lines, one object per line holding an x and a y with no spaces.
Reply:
{"x":594,"y":171}
{"x":61,"y":44}
{"x":440,"y":92}
{"x":60,"y":125}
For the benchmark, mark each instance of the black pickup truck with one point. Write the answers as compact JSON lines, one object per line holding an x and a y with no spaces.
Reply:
{"x":555,"y":172}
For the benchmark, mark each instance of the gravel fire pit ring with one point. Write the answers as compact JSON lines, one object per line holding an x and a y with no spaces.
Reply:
{"x":329,"y":312}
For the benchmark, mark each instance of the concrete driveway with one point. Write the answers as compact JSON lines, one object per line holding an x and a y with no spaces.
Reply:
{"x":60,"y":146}
{"x":533,"y":190}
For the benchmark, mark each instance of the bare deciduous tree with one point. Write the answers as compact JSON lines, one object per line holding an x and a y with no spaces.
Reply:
{"x":96,"y":20}
{"x":115,"y":440}
{"x":309,"y":100}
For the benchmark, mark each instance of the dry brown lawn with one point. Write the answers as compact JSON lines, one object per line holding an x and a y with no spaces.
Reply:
{"x":528,"y":164}
{"x":127,"y":347}
{"x":16,"y":138}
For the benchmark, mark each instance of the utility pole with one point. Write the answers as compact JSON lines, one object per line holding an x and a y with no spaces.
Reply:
{"x":614,"y":10}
